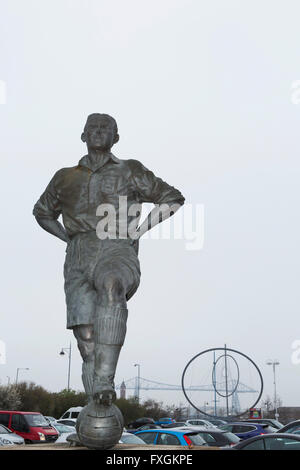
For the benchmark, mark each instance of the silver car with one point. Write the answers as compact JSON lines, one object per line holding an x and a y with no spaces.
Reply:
{"x":8,"y":435}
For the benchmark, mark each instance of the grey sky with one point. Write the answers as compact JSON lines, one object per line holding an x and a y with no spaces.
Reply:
{"x":201,"y":93}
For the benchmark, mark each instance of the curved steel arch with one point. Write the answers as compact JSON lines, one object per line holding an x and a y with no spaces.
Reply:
{"x":221,"y":349}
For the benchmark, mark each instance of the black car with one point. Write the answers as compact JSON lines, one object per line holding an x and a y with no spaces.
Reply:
{"x":140,"y":422}
{"x":291,"y":427}
{"x":145,"y":427}
{"x":217,"y":437}
{"x":276,"y":441}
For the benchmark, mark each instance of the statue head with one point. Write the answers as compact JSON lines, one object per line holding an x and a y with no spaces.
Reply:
{"x":100,"y":132}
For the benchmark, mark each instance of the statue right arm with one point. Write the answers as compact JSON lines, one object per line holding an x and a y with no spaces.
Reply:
{"x":54,"y":227}
{"x":48,"y":209}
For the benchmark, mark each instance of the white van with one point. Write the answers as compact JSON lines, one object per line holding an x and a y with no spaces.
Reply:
{"x":72,"y":413}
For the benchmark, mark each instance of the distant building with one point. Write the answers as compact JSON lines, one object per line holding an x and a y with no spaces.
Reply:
{"x":123,"y":390}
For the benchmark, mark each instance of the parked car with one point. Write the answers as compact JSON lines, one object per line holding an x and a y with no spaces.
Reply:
{"x":274,"y":441}
{"x":216,"y":422}
{"x":7,"y":434}
{"x":50,"y":419}
{"x":177,"y":424}
{"x":72,"y":413}
{"x":271,"y":422}
{"x":63,"y":431}
{"x":172,"y":437}
{"x":140,"y":422}
{"x":163,"y":421}
{"x":32,"y":426}
{"x":247,"y":430}
{"x":200,"y":422}
{"x":290,"y":427}
{"x":67,"y":422}
{"x":5,"y":442}
{"x":144,"y":428}
{"x":214,"y":436}
{"x":129,"y":438}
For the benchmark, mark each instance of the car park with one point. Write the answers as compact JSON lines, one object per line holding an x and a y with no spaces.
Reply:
{"x":247,"y":430}
{"x":276,"y":441}
{"x":32,"y":426}
{"x":7,"y":434}
{"x":172,"y":437}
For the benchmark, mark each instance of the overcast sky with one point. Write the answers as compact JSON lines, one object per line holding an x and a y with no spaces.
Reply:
{"x":201,"y":91}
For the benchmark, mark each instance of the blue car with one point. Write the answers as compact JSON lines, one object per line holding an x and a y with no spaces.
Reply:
{"x":163,"y":421}
{"x":171,"y":437}
{"x":246,"y":430}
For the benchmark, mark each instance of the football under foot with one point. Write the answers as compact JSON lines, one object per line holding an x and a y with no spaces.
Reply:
{"x":106,"y":396}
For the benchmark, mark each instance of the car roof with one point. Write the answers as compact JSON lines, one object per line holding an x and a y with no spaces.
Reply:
{"x":168,"y":430}
{"x":266,"y":436}
{"x":204,"y":429}
{"x":245,"y":423}
{"x":74,"y":408}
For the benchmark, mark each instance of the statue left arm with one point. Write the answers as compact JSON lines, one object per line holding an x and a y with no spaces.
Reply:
{"x":151,"y":188}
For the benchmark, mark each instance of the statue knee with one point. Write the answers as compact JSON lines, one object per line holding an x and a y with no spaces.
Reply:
{"x":112,"y":290}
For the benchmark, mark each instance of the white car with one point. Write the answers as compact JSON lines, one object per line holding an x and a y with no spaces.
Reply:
{"x":63,"y":430}
{"x":72,"y":413}
{"x":5,"y":442}
{"x":199,"y":422}
{"x":8,"y":435}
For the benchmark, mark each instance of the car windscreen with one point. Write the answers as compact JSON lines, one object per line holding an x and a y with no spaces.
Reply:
{"x":4,"y":430}
{"x":63,"y":428}
{"x":36,"y":420}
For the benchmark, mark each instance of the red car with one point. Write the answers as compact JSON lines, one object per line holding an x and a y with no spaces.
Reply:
{"x":33,"y":427}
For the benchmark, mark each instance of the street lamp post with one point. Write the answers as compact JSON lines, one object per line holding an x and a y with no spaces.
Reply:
{"x":62,"y":353}
{"x":274,"y":363}
{"x":138,"y":381}
{"x":20,"y":368}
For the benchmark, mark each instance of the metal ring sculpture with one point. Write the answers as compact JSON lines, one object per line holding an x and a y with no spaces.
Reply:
{"x":222,"y":349}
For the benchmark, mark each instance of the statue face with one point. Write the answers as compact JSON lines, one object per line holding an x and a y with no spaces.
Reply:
{"x":100,"y":134}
